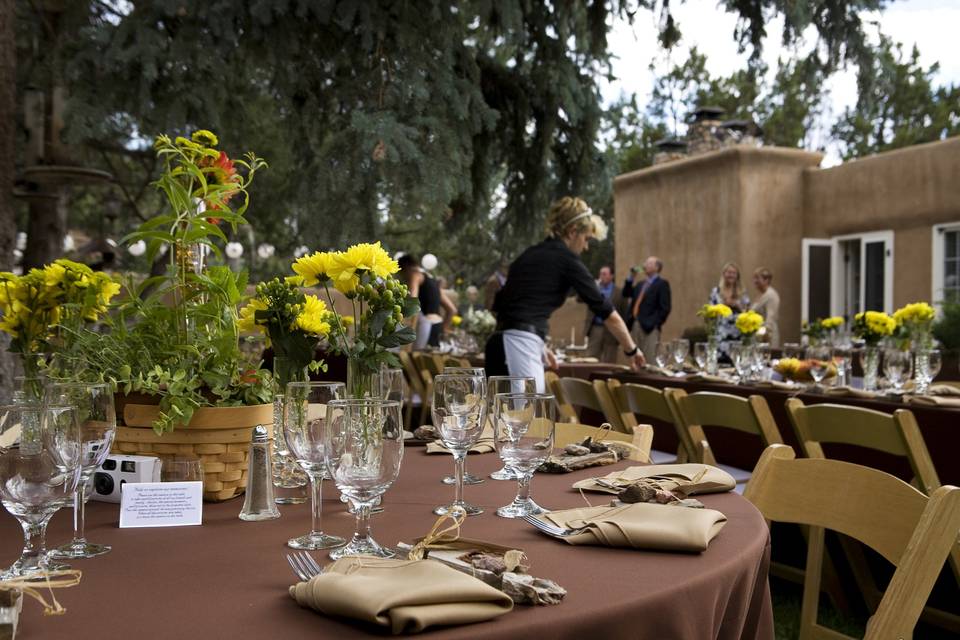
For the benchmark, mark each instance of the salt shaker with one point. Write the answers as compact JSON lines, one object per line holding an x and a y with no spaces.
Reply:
{"x":259,"y":503}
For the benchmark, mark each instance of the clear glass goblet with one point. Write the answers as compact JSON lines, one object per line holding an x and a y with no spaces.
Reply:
{"x":459,"y":411}
{"x":934,"y":362}
{"x":363,"y":448}
{"x":897,"y":366}
{"x":680,"y":349}
{"x":524,"y":433}
{"x":97,"y":420}
{"x":740,"y":357}
{"x":843,"y":358}
{"x":664,"y":356}
{"x":39,"y":473}
{"x":468,"y":478}
{"x":506,"y":384}
{"x":700,"y":355}
{"x":304,"y":416}
{"x":819,"y":359}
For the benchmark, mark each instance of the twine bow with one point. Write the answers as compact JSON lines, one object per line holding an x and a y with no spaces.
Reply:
{"x":61,"y":580}
{"x":437,"y":537}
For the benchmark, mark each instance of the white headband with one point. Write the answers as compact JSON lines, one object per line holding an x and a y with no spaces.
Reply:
{"x":588,"y":212}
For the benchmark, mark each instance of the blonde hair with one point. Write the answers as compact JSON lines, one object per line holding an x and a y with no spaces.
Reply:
{"x":737,"y":292}
{"x":573,"y":214}
{"x":765,"y":274}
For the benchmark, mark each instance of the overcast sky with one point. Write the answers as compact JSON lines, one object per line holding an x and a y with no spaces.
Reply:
{"x":933,"y":25}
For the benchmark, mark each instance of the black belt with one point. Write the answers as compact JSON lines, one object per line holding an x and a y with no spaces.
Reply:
{"x":522,"y":326}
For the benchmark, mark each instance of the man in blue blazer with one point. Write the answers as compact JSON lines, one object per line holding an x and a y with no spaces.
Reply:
{"x":651,"y":306}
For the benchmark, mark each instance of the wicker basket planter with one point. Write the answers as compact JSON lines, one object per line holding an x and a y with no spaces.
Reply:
{"x":219,"y":436}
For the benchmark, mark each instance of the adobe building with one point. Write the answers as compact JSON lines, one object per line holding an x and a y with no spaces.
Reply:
{"x":874,"y":233}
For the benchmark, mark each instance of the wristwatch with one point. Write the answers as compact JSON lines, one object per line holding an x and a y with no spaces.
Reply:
{"x":632,"y":352}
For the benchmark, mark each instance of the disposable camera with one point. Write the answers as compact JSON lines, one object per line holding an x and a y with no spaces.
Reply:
{"x":117,"y":470}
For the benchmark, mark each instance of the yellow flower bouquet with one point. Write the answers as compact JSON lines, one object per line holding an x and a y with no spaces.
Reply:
{"x":819,"y":328}
{"x":873,"y":326}
{"x":364,"y":273}
{"x":749,"y":322}
{"x":712,"y":314}
{"x":916,"y":321}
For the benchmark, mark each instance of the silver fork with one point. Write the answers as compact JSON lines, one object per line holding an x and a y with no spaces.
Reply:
{"x":551,"y":530}
{"x":303,"y":565}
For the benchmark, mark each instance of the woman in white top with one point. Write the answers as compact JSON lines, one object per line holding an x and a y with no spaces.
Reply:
{"x":768,"y":304}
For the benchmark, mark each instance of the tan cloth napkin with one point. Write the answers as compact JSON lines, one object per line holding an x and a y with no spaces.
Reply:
{"x":642,"y":526}
{"x":692,"y":478}
{"x":406,"y":595}
{"x":934,"y":401}
{"x":943,"y":390}
{"x":778,"y":384}
{"x":484,"y":443}
{"x":849,"y":392}
{"x":583,"y":360}
{"x":706,"y":377}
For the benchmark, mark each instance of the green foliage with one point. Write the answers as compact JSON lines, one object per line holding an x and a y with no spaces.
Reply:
{"x":897,"y":104}
{"x":946,"y":328}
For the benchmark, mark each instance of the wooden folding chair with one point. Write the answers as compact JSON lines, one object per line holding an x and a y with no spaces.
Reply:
{"x":749,"y":415}
{"x":574,"y":395}
{"x":635,"y":401}
{"x":565,"y":433}
{"x":896,"y":434}
{"x":915,"y":533}
{"x":419,"y":396}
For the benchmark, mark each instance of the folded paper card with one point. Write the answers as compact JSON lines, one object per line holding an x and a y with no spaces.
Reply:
{"x":689,"y":479}
{"x":407,"y":596}
{"x":641,"y":526}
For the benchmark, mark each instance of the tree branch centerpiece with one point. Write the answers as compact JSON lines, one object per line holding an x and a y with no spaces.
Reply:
{"x":364,"y":273}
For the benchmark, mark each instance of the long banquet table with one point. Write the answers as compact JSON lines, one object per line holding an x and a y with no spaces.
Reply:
{"x":939,"y":426}
{"x":229,"y":579}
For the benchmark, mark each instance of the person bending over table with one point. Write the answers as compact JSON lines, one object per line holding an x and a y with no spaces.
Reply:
{"x":537,"y":285}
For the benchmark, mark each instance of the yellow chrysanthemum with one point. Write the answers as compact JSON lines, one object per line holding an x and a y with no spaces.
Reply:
{"x":749,"y":322}
{"x":53,"y":275}
{"x":714,"y":311}
{"x":916,"y":313}
{"x":248,"y":322}
{"x":314,"y":268}
{"x":832,"y":322}
{"x":314,"y":319}
{"x":205,"y":137}
{"x":369,"y":257}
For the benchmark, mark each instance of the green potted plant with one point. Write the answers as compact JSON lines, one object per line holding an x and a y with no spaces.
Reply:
{"x":174,"y":353}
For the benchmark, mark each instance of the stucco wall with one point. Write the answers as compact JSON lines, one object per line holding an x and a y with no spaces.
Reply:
{"x":741,"y":204}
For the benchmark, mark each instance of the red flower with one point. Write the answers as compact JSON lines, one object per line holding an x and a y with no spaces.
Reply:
{"x":220,"y":172}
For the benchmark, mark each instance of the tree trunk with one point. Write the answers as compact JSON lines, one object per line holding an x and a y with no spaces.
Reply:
{"x":45,"y":230}
{"x":8,"y":227}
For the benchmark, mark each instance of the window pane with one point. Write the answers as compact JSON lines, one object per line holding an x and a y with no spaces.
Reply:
{"x":950,"y":240}
{"x":874,"y":277}
{"x":818,"y":300}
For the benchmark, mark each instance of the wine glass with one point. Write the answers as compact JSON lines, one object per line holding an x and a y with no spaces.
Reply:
{"x":680,"y":350}
{"x":506,"y":384}
{"x":740,"y":357}
{"x":523,"y":432}
{"x":897,"y":365}
{"x":934,"y":362}
{"x":304,"y":413}
{"x":700,"y":355}
{"x":468,"y":478}
{"x":459,"y":411}
{"x":363,"y":449}
{"x":664,"y":356}
{"x":819,"y":359}
{"x":843,"y":358}
{"x":761,"y":361}
{"x":97,"y":420}
{"x":39,"y":472}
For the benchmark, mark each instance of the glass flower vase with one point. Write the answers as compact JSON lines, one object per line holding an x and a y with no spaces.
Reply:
{"x":361,"y":383}
{"x":921,"y":366}
{"x":289,"y":480}
{"x":871,"y":366}
{"x":713,"y":354}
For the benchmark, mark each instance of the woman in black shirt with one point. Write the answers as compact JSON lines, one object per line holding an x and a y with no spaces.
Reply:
{"x":538,"y":283}
{"x":429,"y":324}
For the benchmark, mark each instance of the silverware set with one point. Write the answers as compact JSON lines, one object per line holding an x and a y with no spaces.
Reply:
{"x":303,"y":565}
{"x":552,"y":530}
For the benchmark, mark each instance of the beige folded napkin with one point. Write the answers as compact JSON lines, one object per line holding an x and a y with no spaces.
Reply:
{"x":943,"y":390}
{"x":934,"y":401}
{"x":406,"y":595}
{"x":583,"y":360}
{"x":849,"y":392}
{"x":484,"y":443}
{"x":690,"y":479}
{"x":708,"y":377}
{"x":642,"y":526}
{"x":778,"y":384}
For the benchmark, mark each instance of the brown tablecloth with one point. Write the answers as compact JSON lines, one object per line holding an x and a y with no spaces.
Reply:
{"x":939,"y":426}
{"x":229,"y":579}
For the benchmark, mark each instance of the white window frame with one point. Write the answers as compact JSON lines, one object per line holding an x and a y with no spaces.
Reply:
{"x":870,"y":236}
{"x":805,"y":245}
{"x":938,"y":256}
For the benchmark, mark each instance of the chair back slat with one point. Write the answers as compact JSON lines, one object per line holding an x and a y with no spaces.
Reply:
{"x":642,"y":400}
{"x":843,"y":424}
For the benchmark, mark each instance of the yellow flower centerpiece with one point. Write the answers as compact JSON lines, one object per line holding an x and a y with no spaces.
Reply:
{"x":748,"y":323}
{"x":873,"y":326}
{"x":916,"y":320}
{"x":712,"y":314}
{"x":821,"y":327}
{"x":364,"y":273}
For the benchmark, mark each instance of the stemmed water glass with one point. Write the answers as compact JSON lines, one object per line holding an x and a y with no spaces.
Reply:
{"x":459,"y":410}
{"x":761,"y":361}
{"x":934,"y":362}
{"x":304,"y":415}
{"x":897,"y":366}
{"x":97,"y":420}
{"x":740,"y":357}
{"x":843,"y":358}
{"x":819,"y":358}
{"x":506,"y":384}
{"x":680,"y":349}
{"x":39,"y":472}
{"x":363,"y":448}
{"x":664,"y":356}
{"x":468,"y":478}
{"x":523,"y":431}
{"x":700,"y":355}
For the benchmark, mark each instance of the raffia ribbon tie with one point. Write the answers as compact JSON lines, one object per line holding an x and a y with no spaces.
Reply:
{"x":60,"y":580}
{"x":438,"y":536}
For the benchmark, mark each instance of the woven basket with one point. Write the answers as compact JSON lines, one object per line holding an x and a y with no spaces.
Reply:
{"x":219,"y":436}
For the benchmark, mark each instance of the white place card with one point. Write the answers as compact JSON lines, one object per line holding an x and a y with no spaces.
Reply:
{"x":161,"y":504}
